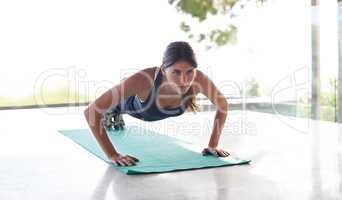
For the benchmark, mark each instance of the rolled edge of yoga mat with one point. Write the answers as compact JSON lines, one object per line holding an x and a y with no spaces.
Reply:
{"x":137,"y":172}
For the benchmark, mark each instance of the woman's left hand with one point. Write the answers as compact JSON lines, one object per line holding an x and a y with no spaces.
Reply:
{"x":215,"y":152}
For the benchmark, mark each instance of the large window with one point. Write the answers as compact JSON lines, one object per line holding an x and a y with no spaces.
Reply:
{"x":259,"y":53}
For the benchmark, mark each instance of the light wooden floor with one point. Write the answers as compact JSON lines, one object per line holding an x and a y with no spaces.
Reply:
{"x":291,"y":159}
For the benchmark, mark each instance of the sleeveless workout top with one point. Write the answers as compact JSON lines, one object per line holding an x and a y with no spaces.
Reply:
{"x":148,"y":110}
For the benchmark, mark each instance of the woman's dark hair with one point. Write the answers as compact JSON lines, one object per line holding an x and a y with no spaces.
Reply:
{"x":182,"y":51}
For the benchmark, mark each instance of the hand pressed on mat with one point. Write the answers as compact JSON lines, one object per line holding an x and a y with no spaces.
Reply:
{"x":215,"y":152}
{"x":129,"y":160}
{"x":126,"y":160}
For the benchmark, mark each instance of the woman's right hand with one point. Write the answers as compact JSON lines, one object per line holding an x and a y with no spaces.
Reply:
{"x":121,"y":160}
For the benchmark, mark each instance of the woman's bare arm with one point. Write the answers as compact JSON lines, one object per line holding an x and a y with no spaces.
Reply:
{"x":93,"y":113}
{"x":209,"y":89}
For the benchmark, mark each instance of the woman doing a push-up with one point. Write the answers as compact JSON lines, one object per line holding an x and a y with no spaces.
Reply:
{"x":157,"y":93}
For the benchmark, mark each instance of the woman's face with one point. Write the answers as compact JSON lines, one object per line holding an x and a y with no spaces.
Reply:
{"x":180,"y":76}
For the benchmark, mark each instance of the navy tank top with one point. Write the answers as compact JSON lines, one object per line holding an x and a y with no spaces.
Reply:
{"x":148,"y":110}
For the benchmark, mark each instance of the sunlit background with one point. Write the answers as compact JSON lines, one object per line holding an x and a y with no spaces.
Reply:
{"x":278,"y":63}
{"x":70,"y":52}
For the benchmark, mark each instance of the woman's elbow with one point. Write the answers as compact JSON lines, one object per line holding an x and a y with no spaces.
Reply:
{"x":223,"y":107}
{"x":90,"y":115}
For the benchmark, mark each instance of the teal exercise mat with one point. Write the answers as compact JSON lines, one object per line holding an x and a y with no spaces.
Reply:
{"x":157,"y":153}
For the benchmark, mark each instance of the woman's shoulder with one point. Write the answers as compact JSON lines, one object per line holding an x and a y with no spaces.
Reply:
{"x":198,"y":81}
{"x":144,"y":75}
{"x":149,"y":73}
{"x":146,"y":81}
{"x":150,"y":70}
